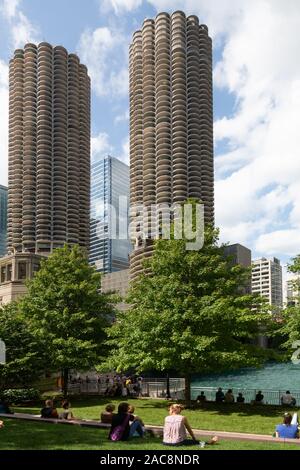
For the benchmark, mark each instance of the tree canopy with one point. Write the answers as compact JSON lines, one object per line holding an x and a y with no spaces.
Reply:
{"x":24,"y":357}
{"x":65,"y":309}
{"x":289,"y":326}
{"x":190,"y":313}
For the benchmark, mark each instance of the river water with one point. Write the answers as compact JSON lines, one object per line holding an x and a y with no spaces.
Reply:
{"x":273,"y":376}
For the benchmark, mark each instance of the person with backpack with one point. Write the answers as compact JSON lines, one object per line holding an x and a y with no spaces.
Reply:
{"x":120,"y":427}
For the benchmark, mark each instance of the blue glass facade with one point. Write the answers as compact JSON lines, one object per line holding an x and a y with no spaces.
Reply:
{"x":3,"y":219}
{"x":109,"y":181}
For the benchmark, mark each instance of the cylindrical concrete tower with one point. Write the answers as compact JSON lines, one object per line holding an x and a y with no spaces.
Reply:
{"x":171,"y":117}
{"x":49,"y":149}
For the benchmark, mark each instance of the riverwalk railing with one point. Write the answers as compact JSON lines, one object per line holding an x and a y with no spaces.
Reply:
{"x":150,"y":387}
{"x":157,"y":388}
{"x":271,"y":397}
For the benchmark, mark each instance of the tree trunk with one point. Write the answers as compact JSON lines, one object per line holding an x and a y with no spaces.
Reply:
{"x":168,"y":394}
{"x":187,"y":390}
{"x":65,"y":382}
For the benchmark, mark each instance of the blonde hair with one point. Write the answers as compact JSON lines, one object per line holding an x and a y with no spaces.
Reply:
{"x":131,"y":409}
{"x":176,"y":408}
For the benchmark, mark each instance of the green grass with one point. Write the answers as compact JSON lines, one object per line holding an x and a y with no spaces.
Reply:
{"x":239,"y":418}
{"x":24,"y":435}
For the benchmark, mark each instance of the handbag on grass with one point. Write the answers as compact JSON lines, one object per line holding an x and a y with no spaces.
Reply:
{"x":117,"y":433}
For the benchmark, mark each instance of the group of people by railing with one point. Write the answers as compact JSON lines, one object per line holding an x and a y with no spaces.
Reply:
{"x":109,"y":385}
{"x":286,"y":399}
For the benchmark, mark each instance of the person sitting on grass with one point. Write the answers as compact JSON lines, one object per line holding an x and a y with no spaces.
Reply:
{"x":137,"y":428}
{"x":287,"y":430}
{"x":240,"y":398}
{"x":1,"y":424}
{"x":67,"y":413}
{"x":107,"y":415}
{"x":120,"y":427}
{"x":287,"y":399}
{"x":259,"y":398}
{"x":49,"y":411}
{"x":175,"y":428}
{"x":229,"y":398}
{"x":220,"y":396}
{"x":201,"y":398}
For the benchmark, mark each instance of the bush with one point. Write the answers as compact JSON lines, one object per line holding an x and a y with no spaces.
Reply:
{"x":21,"y":395}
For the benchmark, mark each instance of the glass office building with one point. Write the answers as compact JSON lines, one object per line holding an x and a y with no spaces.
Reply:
{"x":109,"y":182}
{"x":3,"y":219}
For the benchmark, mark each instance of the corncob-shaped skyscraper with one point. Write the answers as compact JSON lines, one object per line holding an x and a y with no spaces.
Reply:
{"x":171,"y":116}
{"x":49,"y":149}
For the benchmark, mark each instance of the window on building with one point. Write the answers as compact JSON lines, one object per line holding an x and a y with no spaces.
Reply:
{"x":3,"y":274}
{"x":9,"y":272}
{"x":22,"y":270}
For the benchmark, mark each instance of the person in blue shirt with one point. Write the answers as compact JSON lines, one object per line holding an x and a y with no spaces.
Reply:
{"x":287,"y":430}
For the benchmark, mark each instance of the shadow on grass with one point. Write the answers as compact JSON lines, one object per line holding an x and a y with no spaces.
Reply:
{"x":245,"y":410}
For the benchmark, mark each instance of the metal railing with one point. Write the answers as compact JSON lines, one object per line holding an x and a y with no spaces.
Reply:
{"x":157,"y":388}
{"x":151,"y":387}
{"x":271,"y":397}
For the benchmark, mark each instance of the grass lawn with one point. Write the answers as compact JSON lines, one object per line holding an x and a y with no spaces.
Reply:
{"x":239,"y":418}
{"x":23,"y":435}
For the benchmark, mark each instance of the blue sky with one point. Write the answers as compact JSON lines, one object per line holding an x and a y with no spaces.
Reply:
{"x":256,"y":97}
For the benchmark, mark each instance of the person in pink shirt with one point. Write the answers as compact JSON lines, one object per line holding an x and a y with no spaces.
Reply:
{"x":176,"y":427}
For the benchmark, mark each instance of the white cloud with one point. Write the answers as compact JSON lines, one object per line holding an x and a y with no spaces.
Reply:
{"x":104,"y":52}
{"x":100,"y":145}
{"x":285,"y":242}
{"x":259,"y":66}
{"x":9,"y":8}
{"x":22,"y":30}
{"x":122,"y":117}
{"x":119,"y":6}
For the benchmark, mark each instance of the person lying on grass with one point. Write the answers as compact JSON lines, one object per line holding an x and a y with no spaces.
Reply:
{"x":175,"y":429}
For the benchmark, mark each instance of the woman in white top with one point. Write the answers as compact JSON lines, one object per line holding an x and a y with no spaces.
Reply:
{"x":176,"y":427}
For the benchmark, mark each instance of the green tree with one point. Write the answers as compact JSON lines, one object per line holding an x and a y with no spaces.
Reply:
{"x":295,"y":266}
{"x":290,"y":321}
{"x":24,"y":358}
{"x":191,"y":314}
{"x":65,"y":309}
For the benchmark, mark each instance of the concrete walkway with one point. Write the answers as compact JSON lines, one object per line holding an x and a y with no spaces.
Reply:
{"x":156,"y":430}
